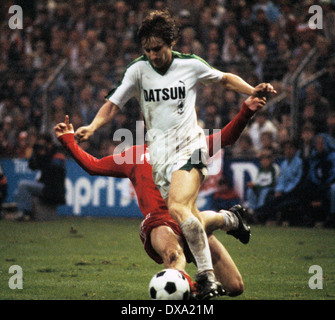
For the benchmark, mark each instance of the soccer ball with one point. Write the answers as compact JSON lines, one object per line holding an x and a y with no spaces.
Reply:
{"x":169,"y":284}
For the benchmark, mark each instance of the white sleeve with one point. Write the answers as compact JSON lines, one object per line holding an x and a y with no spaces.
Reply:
{"x":207,"y":74}
{"x":125,"y":89}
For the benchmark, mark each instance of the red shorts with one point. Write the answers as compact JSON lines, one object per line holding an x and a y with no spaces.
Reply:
{"x":154,"y":220}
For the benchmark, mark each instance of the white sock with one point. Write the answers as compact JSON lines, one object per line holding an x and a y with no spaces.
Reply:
{"x":230,"y":221}
{"x":198,"y":243}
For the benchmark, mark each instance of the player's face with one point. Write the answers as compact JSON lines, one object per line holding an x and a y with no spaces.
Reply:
{"x":158,"y":52}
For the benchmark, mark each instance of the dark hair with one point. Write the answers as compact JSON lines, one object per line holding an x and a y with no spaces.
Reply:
{"x":262,"y":113}
{"x":159,"y":24}
{"x":266,"y":153}
{"x":47,"y":137}
{"x":291,"y":142}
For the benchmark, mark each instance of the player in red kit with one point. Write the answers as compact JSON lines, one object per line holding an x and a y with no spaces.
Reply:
{"x":159,"y":232}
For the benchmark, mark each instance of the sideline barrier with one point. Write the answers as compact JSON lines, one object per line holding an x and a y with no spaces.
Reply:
{"x":104,"y":196}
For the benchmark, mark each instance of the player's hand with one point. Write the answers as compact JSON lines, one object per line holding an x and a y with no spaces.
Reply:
{"x":83,"y":133}
{"x":63,"y":127}
{"x":255,"y":103}
{"x":263,"y":90}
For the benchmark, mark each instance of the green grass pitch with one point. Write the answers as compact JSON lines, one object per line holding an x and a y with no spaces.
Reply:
{"x":103,"y":259}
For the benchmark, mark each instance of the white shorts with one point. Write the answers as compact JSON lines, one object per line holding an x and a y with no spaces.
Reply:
{"x":172,"y":150}
{"x":162,"y":177}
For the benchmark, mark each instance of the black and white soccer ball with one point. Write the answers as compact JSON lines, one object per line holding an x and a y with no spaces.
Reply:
{"x":169,"y":284}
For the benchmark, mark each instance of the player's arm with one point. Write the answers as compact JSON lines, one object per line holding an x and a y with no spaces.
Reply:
{"x":232,"y":131}
{"x":107,"y":166}
{"x":105,"y":115}
{"x":116,"y":99}
{"x":236,"y":83}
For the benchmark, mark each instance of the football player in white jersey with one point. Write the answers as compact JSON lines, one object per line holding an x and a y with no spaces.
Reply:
{"x":164,"y":83}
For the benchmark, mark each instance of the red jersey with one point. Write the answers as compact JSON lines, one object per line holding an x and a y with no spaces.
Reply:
{"x":134,"y":162}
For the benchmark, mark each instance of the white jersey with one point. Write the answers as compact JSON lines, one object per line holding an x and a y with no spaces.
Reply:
{"x":168,"y":105}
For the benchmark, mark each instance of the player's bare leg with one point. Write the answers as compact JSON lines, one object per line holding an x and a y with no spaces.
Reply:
{"x":184,"y":189}
{"x":168,"y":246}
{"x":225,"y":269}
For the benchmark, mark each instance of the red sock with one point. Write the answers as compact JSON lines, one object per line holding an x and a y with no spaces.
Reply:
{"x":191,"y":283}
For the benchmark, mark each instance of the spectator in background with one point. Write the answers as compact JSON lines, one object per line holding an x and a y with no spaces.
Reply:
{"x":230,"y":101}
{"x":288,"y":21}
{"x":262,"y":188}
{"x":50,"y":187}
{"x":328,"y":20}
{"x":3,"y":189}
{"x":59,"y":104}
{"x":317,"y":105}
{"x":261,"y":124}
{"x":234,"y":57}
{"x":267,"y":64}
{"x":213,"y":56}
{"x":229,"y":107}
{"x":245,"y":24}
{"x":6,"y":150}
{"x":25,"y":106}
{"x":306,"y":140}
{"x":86,"y":103}
{"x":120,"y":121}
{"x":320,"y":184}
{"x":98,"y":82}
{"x":255,"y":40}
{"x":188,"y":38}
{"x":284,"y":51}
{"x":292,"y":65}
{"x":214,"y":36}
{"x":203,"y":26}
{"x":243,"y":148}
{"x":206,"y":97}
{"x":184,"y":18}
{"x":331,"y":124}
{"x":10,"y":133}
{"x":261,"y":24}
{"x":218,"y":12}
{"x":328,"y":82}
{"x":225,"y":196}
{"x":309,"y":115}
{"x":282,"y":136}
{"x":270,"y":10}
{"x":303,"y":32}
{"x":22,"y":149}
{"x":96,"y":47}
{"x":77,"y":120}
{"x":323,"y":47}
{"x":287,"y":189}
{"x":212,"y":118}
{"x":268,"y":142}
{"x":231,"y":36}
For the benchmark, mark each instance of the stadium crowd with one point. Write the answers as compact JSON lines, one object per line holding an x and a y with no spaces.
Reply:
{"x":260,"y":40}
